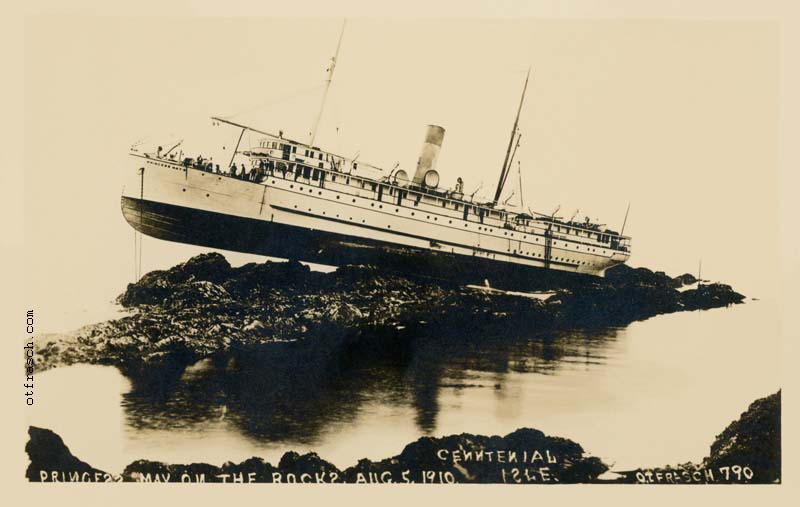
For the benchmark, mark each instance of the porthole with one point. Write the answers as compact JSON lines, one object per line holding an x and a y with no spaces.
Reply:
{"x":337,"y":196}
{"x":184,"y":190}
{"x":354,"y":200}
{"x":291,"y":186}
{"x":207,"y":195}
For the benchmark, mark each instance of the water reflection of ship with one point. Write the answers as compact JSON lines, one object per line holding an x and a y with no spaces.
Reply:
{"x":294,"y":391}
{"x":291,"y":199}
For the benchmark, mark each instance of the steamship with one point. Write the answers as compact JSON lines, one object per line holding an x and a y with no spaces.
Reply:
{"x":291,"y":199}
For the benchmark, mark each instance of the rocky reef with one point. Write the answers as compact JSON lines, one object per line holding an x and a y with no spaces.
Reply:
{"x":747,"y":451}
{"x":524,"y":456}
{"x":205,"y":307}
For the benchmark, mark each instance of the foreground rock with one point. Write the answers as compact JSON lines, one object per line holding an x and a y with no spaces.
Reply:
{"x":51,"y":460}
{"x":204,"y":307}
{"x":525,"y":456}
{"x":748,"y":451}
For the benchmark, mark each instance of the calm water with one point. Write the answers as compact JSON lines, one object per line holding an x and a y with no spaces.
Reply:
{"x":656,"y":392}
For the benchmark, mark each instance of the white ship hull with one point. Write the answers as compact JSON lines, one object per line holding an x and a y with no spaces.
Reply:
{"x":333,"y":220}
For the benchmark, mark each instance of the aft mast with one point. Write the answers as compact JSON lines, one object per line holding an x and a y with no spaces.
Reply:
{"x":504,"y":171}
{"x":327,"y":86}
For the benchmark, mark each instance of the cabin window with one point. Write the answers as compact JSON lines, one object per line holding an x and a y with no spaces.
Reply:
{"x":320,"y":156}
{"x":315,"y":175}
{"x":457,"y":206}
{"x":444,"y":203}
{"x":306,"y":172}
{"x":294,"y":149}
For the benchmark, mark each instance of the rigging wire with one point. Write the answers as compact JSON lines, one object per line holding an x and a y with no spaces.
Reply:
{"x":275,"y":102}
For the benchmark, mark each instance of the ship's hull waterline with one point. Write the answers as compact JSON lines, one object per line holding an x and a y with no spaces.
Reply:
{"x":190,"y":206}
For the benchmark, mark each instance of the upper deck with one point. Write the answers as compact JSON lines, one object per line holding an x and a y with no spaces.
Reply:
{"x":290,"y":160}
{"x":310,"y":165}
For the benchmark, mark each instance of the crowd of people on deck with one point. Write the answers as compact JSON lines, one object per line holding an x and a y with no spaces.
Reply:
{"x":255,"y":173}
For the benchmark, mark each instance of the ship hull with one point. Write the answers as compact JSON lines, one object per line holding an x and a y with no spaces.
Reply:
{"x":339,"y":222}
{"x":240,"y":234}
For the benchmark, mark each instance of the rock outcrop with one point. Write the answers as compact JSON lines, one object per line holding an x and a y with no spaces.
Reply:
{"x":51,"y":460}
{"x":205,"y":307}
{"x":748,"y":451}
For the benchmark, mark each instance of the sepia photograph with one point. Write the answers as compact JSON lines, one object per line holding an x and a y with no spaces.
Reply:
{"x":373,"y":249}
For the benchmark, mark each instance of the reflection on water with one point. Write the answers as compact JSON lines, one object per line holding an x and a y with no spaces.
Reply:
{"x":293,"y":391}
{"x":653,"y":393}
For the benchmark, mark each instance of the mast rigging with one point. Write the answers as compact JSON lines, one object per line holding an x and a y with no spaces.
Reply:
{"x":327,"y":86}
{"x":504,"y":172}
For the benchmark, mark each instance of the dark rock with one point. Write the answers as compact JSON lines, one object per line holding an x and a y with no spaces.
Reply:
{"x":748,"y":451}
{"x":526,"y":456}
{"x":51,"y":460}
{"x":754,"y":440}
{"x":684,"y":279}
{"x":708,"y":296}
{"x":204,"y":306}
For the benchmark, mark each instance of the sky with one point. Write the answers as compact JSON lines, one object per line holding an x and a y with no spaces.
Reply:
{"x":678,"y":118}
